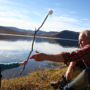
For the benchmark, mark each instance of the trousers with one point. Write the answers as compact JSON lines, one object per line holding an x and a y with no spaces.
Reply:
{"x":80,"y":82}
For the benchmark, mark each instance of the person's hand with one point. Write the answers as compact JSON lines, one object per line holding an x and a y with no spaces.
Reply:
{"x":39,"y":57}
{"x":23,"y":62}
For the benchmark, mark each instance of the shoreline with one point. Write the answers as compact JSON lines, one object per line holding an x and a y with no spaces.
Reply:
{"x":31,"y":36}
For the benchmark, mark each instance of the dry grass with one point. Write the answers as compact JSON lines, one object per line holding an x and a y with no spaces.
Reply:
{"x":39,"y":80}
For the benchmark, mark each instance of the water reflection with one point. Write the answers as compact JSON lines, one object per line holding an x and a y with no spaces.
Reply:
{"x":17,"y":49}
{"x":62,"y":42}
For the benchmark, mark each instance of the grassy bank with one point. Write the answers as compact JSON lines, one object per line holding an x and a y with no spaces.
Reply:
{"x":39,"y":80}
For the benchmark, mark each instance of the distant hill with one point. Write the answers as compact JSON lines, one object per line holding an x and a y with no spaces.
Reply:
{"x":21,"y":30}
{"x":15,"y":30}
{"x":66,"y":34}
{"x":7,"y":30}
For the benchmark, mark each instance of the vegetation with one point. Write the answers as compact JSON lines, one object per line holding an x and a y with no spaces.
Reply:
{"x":39,"y":80}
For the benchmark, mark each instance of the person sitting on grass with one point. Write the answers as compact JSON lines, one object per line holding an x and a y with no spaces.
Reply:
{"x":82,"y":54}
{"x":67,"y":77}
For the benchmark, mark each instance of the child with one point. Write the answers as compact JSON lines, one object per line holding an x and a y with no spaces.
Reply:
{"x":5,"y":66}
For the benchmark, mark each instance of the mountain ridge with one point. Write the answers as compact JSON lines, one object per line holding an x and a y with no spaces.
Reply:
{"x":66,"y":34}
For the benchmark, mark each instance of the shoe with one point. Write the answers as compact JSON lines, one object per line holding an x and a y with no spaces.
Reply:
{"x":60,"y":84}
{"x":71,"y":88}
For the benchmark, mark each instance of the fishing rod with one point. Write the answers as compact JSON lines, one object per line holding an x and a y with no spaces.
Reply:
{"x":50,"y":12}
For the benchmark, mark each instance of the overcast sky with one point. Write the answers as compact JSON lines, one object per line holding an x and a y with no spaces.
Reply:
{"x":28,"y":14}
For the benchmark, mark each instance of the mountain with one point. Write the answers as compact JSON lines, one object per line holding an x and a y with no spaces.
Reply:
{"x":18,"y":29}
{"x":15,"y":30}
{"x":8,"y":30}
{"x":66,"y":34}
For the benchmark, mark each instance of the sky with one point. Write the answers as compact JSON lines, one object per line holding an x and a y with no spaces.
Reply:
{"x":71,"y":15}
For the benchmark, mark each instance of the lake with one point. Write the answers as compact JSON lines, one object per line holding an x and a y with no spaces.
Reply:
{"x":17,"y":49}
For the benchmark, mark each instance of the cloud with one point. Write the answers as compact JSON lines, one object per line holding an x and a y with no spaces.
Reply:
{"x":3,"y":0}
{"x":10,"y":14}
{"x":59,"y":23}
{"x":26,"y":19}
{"x":17,"y":23}
{"x":53,"y":23}
{"x":9,"y":2}
{"x":64,"y":19}
{"x":14,"y":14}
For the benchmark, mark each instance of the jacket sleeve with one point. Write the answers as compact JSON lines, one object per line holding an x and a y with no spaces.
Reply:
{"x":77,"y":55}
{"x":6,"y":66}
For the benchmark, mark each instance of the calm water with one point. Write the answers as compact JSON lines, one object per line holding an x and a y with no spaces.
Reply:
{"x":16,"y":50}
